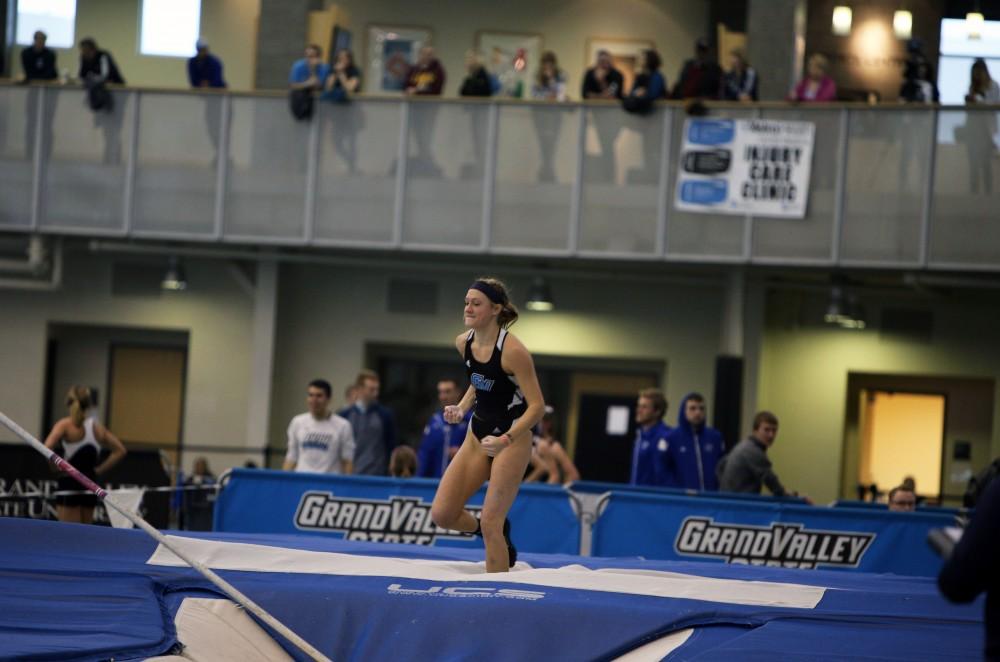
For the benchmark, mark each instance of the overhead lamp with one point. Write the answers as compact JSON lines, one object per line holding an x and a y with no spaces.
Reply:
{"x":842,"y":16}
{"x":836,"y":310}
{"x":540,"y":296}
{"x":974,"y":22}
{"x":174,"y":279}
{"x":902,"y":24}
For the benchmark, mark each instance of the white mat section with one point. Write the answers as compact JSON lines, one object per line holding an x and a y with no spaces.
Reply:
{"x":656,"y":650}
{"x":127,"y":498}
{"x":220,"y":555}
{"x":215,"y":630}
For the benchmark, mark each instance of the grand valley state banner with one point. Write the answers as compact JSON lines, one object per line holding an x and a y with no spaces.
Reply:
{"x":753,"y":166}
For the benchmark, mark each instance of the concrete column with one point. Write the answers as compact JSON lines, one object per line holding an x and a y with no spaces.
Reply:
{"x":731,"y":340}
{"x":776,"y":42}
{"x":281,"y":37}
{"x":265,"y":311}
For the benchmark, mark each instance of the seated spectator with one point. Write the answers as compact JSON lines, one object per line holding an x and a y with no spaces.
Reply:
{"x":38,"y":61}
{"x":740,"y":83}
{"x":554,"y":464}
{"x":205,"y":69}
{"x":747,"y":468}
{"x":701,"y":77}
{"x":550,"y":81}
{"x":477,"y":81}
{"x":693,"y":448}
{"x":309,"y":73}
{"x":902,"y":499}
{"x":649,"y":84}
{"x":649,"y":453}
{"x":427,"y":76}
{"x":345,"y":79}
{"x":816,"y":86}
{"x":402,"y":462}
{"x":972,"y":567}
{"x":602,"y":81}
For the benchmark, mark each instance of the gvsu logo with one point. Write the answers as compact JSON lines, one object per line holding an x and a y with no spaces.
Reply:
{"x":467,"y":592}
{"x":480,"y":383}
{"x":398,"y":519}
{"x":782,"y":545}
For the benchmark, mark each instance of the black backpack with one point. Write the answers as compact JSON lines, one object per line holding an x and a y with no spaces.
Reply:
{"x":979,"y":483}
{"x":98,"y":98}
{"x":301,"y":103}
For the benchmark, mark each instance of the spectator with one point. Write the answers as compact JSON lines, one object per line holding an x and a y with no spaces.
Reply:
{"x":602,"y":81}
{"x":648,"y":86}
{"x":747,"y":468}
{"x":977,"y":484}
{"x":693,"y":448}
{"x":318,"y":441}
{"x":205,"y":69}
{"x":402,"y":462}
{"x":902,"y":499}
{"x":477,"y":80}
{"x":309,"y":73}
{"x":817,"y":86}
{"x":918,"y":81}
{"x":345,"y":79}
{"x":972,"y":567}
{"x":553,"y":463}
{"x":650,"y":452}
{"x":199,"y":499}
{"x":701,"y":77}
{"x":350,"y":394}
{"x":740,"y":83}
{"x":96,"y":65}
{"x":550,"y":80}
{"x":427,"y":76}
{"x":442,"y":440}
{"x":97,"y":68}
{"x":374,"y":427}
{"x":982,"y":87}
{"x":38,"y":61}
{"x":979,"y":127}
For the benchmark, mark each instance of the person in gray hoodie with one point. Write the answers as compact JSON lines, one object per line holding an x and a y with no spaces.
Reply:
{"x":747,"y":468}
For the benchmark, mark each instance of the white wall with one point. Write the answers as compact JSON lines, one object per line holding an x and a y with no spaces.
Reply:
{"x":327,"y":314}
{"x":565,"y":25}
{"x":214,"y":311}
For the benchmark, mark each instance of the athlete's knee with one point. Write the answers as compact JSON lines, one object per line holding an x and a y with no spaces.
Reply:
{"x":491,"y":524}
{"x":444,"y":515}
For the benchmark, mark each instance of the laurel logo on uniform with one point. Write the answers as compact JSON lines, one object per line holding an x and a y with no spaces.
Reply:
{"x":467,"y":592}
{"x":397,"y":519}
{"x":780,"y":544}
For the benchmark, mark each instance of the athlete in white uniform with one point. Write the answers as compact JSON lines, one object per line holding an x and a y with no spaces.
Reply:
{"x":320,"y":441}
{"x":82,"y":439}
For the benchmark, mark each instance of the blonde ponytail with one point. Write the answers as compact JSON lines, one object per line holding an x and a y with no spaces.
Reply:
{"x":78,"y":400}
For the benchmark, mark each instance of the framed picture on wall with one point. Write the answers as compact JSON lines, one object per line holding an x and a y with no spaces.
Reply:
{"x":625,"y":54}
{"x":390,"y":51}
{"x":512,"y":57}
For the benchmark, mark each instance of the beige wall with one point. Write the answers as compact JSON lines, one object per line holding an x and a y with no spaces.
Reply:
{"x":805,"y":367}
{"x":215,"y":311}
{"x":230,"y":26}
{"x":564,"y":25}
{"x":326,"y":315}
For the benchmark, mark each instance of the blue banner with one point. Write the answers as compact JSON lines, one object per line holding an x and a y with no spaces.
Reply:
{"x":772,"y":534}
{"x":373,"y":509}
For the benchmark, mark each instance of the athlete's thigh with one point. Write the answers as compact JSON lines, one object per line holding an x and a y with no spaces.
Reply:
{"x":505,"y":477}
{"x":466,"y":473}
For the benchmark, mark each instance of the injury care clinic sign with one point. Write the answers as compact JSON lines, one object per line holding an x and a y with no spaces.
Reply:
{"x":745,"y":167}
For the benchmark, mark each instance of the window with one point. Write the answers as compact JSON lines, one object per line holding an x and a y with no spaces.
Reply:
{"x":169,"y":27}
{"x":56,"y":18}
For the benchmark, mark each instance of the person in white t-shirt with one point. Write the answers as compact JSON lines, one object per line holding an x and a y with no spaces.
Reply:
{"x":320,"y":441}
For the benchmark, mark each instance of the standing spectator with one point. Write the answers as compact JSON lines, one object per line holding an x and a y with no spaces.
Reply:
{"x":39,"y":61}
{"x":319,"y":441}
{"x":747,"y":468}
{"x":307,"y":77}
{"x":700,"y":77}
{"x":477,"y":80}
{"x":374,"y":427}
{"x":550,"y":80}
{"x":918,"y":81}
{"x":602,"y":81}
{"x":650,"y":453}
{"x":549,"y":85}
{"x":427,"y":76}
{"x":442,"y":440}
{"x":649,"y":85}
{"x":97,"y":65}
{"x":402,"y":462}
{"x":345,"y":79}
{"x":816,"y":86}
{"x":97,"y":68}
{"x":980,"y":127}
{"x":740,"y":83}
{"x":972,"y":567}
{"x":205,"y":69}
{"x":199,"y":500}
{"x":902,"y":499}
{"x":693,"y":448}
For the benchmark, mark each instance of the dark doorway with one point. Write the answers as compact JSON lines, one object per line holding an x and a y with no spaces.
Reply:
{"x":604,"y":439}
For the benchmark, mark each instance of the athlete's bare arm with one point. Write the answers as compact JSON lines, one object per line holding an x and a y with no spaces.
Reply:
{"x":517,"y":361}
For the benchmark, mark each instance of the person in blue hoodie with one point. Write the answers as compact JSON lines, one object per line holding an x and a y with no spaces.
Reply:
{"x":693,"y":448}
{"x":441,"y":439}
{"x":649,"y":454}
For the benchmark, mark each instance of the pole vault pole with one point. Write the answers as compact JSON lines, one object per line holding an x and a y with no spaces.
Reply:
{"x":210,"y":575}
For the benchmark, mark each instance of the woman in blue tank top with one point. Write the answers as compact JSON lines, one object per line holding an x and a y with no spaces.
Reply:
{"x":507,"y":403}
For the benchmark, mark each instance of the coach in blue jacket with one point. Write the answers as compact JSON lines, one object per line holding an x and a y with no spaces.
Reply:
{"x":649,"y":454}
{"x":693,"y":448}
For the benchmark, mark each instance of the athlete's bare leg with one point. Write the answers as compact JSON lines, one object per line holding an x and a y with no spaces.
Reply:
{"x":467,"y":472}
{"x":508,"y":469}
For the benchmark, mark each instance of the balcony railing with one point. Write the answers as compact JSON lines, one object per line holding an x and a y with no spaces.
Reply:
{"x":892,"y":186}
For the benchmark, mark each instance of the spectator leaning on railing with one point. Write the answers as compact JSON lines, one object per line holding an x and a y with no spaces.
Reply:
{"x":816,"y":85}
{"x":427,"y":76}
{"x":477,"y":80}
{"x":649,"y":85}
{"x":602,"y":81}
{"x":205,"y":69}
{"x":38,"y":61}
{"x":700,"y":77}
{"x":740,"y":82}
{"x":307,"y":77}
